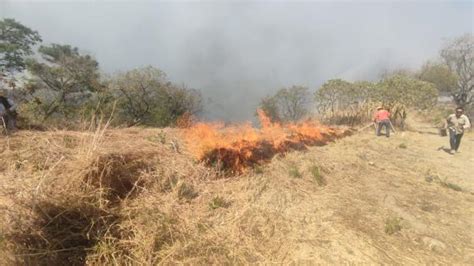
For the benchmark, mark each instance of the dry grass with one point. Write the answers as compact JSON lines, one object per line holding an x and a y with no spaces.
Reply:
{"x":132,"y":197}
{"x":83,"y":195}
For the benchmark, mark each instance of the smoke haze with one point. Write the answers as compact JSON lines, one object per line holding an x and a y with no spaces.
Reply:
{"x":237,"y":52}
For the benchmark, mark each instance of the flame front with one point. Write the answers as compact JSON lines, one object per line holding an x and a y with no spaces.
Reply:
{"x":236,"y":148}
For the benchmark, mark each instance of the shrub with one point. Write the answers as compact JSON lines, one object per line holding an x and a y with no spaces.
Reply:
{"x":450,"y":185}
{"x":393,"y":225}
{"x":294,"y":172}
{"x":316,"y":174}
{"x":218,"y":202}
{"x":187,"y":192}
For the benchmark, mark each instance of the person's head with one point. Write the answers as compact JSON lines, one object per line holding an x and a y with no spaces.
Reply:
{"x":379,"y":108}
{"x":2,"y":93}
{"x":459,"y":111}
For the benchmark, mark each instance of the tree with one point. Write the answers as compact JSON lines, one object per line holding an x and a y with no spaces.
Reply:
{"x":181,"y":100}
{"x":388,"y":73}
{"x":62,"y":81}
{"x":333,"y":94}
{"x":145,"y":96}
{"x":342,"y":102}
{"x":402,"y":90}
{"x":269,"y":105}
{"x":440,"y":75}
{"x":398,"y":93}
{"x":458,"y":55}
{"x":288,"y":104}
{"x":16,"y":41}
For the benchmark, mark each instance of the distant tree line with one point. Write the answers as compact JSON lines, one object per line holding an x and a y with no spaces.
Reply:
{"x":343,"y":102}
{"x":64,"y":86}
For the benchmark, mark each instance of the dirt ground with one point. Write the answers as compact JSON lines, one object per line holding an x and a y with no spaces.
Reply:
{"x":362,"y":199}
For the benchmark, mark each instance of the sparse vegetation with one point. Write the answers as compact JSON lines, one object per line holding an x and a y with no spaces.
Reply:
{"x":402,"y":146}
{"x":162,"y":137}
{"x":393,"y":225}
{"x":218,"y":202}
{"x":316,"y":175}
{"x":294,"y":172}
{"x":443,"y":182}
{"x":450,"y":185}
{"x":259,"y":169}
{"x":187,"y":191}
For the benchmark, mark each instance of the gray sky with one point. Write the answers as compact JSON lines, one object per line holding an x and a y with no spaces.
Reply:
{"x":236,"y":52}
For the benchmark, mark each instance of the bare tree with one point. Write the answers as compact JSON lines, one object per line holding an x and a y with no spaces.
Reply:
{"x":288,"y":104}
{"x":458,"y":55}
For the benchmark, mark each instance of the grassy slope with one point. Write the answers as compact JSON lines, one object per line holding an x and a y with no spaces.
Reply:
{"x":279,"y":213}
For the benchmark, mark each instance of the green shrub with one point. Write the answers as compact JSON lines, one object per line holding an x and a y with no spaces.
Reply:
{"x":393,"y":225}
{"x":316,"y":174}
{"x":294,"y":172}
{"x":218,"y":202}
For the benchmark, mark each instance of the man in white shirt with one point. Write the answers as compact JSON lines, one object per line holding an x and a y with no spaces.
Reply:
{"x":456,"y":124}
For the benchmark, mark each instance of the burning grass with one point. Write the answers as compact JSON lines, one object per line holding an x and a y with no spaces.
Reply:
{"x":110,"y":196}
{"x":234,"y":149}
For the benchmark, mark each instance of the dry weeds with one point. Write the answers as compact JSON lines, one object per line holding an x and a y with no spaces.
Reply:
{"x":136,"y":197}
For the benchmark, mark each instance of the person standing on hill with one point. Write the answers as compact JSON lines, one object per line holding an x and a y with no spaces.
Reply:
{"x":7,"y":112}
{"x":382,"y":119}
{"x":456,"y":124}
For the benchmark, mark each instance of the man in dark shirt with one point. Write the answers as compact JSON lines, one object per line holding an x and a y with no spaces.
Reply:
{"x":7,"y":112}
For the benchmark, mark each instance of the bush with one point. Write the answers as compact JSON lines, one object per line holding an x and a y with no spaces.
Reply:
{"x":218,"y":202}
{"x":317,"y":176}
{"x":393,"y":225}
{"x":144,"y":96}
{"x":294,"y":172}
{"x":141,"y":96}
{"x":342,"y":102}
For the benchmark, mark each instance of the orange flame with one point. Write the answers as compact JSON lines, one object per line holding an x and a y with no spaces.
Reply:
{"x":238,"y":147}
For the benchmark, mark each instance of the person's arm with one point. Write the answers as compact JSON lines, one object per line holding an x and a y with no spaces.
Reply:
{"x":2,"y":111}
{"x":12,"y":105}
{"x":446,"y":122}
{"x":467,"y":124}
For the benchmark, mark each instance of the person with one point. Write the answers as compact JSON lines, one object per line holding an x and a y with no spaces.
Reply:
{"x":382,"y":119}
{"x":7,"y":112}
{"x":456,"y":124}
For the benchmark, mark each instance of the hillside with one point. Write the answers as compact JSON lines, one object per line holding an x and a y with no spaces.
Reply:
{"x":137,"y":196}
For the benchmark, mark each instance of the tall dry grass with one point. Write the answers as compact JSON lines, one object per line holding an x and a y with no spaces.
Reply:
{"x":99,"y":196}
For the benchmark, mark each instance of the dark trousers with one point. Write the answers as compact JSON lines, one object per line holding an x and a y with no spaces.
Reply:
{"x":10,"y":121}
{"x":386,"y":124}
{"x":454,"y":139}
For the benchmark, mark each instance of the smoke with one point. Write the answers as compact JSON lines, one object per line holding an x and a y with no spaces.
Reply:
{"x":238,"y":52}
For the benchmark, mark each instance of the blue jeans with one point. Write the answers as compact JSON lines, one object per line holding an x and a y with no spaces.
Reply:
{"x":454,"y":139}
{"x":384,"y":123}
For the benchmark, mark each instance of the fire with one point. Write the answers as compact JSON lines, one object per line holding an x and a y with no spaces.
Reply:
{"x":236,"y":148}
